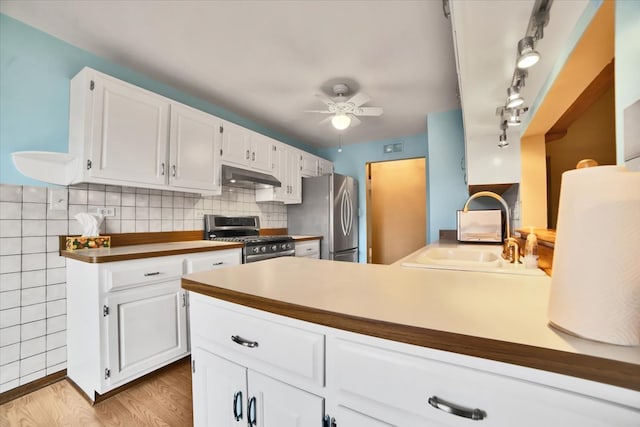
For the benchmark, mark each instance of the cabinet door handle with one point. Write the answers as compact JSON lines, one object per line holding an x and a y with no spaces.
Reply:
{"x":218,"y":263}
{"x":251,"y":412}
{"x":239,"y":340}
{"x":184,"y":299}
{"x":246,"y":155}
{"x":153,"y":273}
{"x":253,"y":156}
{"x":237,"y":405}
{"x":461,"y":411}
{"x":162,"y":169}
{"x":173,"y":170}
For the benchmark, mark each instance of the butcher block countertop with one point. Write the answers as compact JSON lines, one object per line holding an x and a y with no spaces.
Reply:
{"x":123,"y":253}
{"x":498,"y":317}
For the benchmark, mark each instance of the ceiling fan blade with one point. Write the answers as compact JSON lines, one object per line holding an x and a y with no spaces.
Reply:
{"x":325,"y":120}
{"x":317,"y":111}
{"x":354,"y":120}
{"x":324,"y":99}
{"x":358,"y":99}
{"x":368,"y":111}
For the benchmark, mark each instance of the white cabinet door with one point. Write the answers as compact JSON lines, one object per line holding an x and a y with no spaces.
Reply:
{"x":261,"y":153}
{"x":276,"y":404}
{"x":236,"y":145}
{"x":294,"y":179}
{"x":194,"y":159}
{"x":129,"y":133}
{"x":219,"y":391}
{"x":145,"y":328}
{"x":347,"y":417}
{"x":309,"y":164}
{"x":325,"y":167}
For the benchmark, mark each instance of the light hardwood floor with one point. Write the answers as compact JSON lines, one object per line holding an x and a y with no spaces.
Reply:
{"x":164,"y":399}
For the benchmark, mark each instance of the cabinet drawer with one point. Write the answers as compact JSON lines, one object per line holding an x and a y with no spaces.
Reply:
{"x":371,"y":379}
{"x":308,"y":249}
{"x":129,"y":274}
{"x":213,"y":260}
{"x":270,"y":347}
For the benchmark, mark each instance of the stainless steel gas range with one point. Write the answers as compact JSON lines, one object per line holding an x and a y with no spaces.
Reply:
{"x":246,"y":230}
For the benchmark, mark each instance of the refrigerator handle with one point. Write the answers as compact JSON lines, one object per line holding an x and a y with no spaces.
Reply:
{"x":349,"y":213}
{"x":343,"y":212}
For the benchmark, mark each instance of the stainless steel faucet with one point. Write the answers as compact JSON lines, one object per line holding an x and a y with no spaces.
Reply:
{"x":510,"y":250}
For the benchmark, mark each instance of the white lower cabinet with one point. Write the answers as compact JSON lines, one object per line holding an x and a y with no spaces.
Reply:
{"x":308,"y":249}
{"x":226,"y":394}
{"x":128,"y":318}
{"x":300,"y":372}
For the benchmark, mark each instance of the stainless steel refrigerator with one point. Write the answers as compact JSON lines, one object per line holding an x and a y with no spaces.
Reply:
{"x":329,"y":209}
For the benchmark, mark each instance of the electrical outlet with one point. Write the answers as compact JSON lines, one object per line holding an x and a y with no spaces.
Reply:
{"x":105,"y":212}
{"x":199,"y":213}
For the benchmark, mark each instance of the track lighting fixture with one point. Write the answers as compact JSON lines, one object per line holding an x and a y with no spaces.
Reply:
{"x":502,"y":139}
{"x":527,"y":55}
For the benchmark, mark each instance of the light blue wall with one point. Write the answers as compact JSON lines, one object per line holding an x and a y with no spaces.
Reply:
{"x":447,"y":188}
{"x":627,"y":51}
{"x":352,"y":160}
{"x":442,"y":145}
{"x":35,"y":69}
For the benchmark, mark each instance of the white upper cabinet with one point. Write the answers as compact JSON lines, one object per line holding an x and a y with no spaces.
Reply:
{"x":120,"y":132}
{"x":245,"y":149}
{"x":286,"y":163}
{"x":325,"y":167}
{"x":309,"y":164}
{"x":125,"y":135}
{"x":194,"y":155}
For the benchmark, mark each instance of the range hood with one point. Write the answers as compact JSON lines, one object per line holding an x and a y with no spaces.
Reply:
{"x":236,"y":177}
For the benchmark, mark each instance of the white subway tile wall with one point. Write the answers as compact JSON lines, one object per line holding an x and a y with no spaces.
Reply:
{"x":33,"y":275}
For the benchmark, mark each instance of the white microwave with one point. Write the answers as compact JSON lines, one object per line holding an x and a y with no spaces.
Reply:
{"x":480,"y":226}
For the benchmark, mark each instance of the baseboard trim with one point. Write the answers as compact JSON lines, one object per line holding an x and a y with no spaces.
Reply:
{"x":20,"y":391}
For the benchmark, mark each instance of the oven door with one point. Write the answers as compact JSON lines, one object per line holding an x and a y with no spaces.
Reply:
{"x":261,"y":257}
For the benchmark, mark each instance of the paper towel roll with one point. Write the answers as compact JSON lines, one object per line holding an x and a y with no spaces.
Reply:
{"x":595,"y":285}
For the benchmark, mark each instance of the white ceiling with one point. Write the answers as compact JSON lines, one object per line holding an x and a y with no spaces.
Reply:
{"x":266,"y":60}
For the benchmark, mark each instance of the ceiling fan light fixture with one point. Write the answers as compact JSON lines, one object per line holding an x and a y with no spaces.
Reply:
{"x":340,"y":121}
{"x":527,"y":55}
{"x":514,"y":99}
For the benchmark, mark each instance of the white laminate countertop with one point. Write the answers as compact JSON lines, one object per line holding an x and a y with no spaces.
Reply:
{"x":487,"y":308}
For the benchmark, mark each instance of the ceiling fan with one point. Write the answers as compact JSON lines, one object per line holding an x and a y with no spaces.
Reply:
{"x":344,"y":110}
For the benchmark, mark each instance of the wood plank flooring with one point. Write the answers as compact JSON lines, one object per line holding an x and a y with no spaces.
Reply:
{"x":163,"y":399}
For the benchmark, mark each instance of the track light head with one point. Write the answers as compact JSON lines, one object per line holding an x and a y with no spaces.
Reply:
{"x":502,"y":140}
{"x":527,"y":55}
{"x":514,"y":99}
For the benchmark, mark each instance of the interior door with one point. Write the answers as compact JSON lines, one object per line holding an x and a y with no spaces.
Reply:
{"x":276,"y":404}
{"x":219,"y":391}
{"x":345,"y":213}
{"x":396,"y":209}
{"x":145,"y":328}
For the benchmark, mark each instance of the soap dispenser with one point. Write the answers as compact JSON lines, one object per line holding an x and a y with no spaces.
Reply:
{"x":531,"y":250}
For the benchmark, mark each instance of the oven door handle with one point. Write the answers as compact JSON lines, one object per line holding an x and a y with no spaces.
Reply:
{"x":261,"y":257}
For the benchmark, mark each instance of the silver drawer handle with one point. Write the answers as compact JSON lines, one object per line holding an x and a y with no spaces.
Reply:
{"x":155,"y":273}
{"x":461,"y":411}
{"x":239,"y":340}
{"x":218,"y":263}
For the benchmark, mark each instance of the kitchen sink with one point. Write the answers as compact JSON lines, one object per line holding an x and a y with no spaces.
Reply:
{"x":467,"y":259}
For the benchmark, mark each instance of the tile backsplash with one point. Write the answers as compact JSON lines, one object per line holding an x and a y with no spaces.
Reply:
{"x":33,"y":275}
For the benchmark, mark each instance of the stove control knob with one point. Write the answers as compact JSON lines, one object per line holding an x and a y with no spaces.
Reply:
{"x":274,"y":248}
{"x":263,"y":249}
{"x":284,"y":246}
{"x":255,"y":249}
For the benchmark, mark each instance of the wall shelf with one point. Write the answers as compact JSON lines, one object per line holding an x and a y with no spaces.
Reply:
{"x":46,"y":166}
